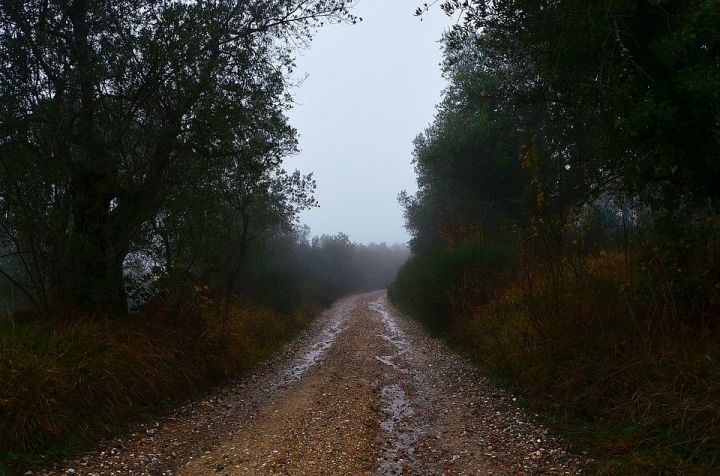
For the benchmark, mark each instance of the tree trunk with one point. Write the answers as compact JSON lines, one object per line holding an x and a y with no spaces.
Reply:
{"x":94,"y":261}
{"x":95,"y":257}
{"x":240,"y":259}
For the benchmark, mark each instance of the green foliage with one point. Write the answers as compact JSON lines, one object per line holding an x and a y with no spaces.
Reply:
{"x":593,"y":127}
{"x":427,"y":286}
{"x":143,"y":129}
{"x":631,"y":85}
{"x":471,"y":181}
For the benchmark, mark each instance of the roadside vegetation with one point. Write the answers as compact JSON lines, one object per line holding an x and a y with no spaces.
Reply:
{"x":72,"y":377}
{"x":149,"y":240}
{"x":565,"y":230}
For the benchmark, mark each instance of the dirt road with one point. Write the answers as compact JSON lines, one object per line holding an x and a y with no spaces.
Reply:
{"x":363,"y":391}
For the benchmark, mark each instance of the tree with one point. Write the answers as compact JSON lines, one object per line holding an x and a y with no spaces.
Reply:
{"x":113,"y":113}
{"x":638,"y":78}
{"x":471,"y":182}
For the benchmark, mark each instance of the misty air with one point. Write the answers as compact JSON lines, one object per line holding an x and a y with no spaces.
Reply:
{"x":359,"y":237}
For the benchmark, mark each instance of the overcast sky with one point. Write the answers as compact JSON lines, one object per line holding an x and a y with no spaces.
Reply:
{"x":371,"y":88}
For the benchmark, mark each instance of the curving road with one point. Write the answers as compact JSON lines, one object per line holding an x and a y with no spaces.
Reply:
{"x":363,"y":391}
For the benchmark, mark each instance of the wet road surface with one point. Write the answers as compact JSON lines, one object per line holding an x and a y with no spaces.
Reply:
{"x":362,"y":391}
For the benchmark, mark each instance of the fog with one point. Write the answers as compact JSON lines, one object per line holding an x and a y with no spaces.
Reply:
{"x":369,"y":89}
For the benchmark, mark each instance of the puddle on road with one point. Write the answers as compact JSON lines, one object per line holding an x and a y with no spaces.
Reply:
{"x":394,"y":335}
{"x":399,"y":422}
{"x":398,"y":412}
{"x":396,"y":408}
{"x":387,"y":360}
{"x":318,"y":350}
{"x":311,"y":356}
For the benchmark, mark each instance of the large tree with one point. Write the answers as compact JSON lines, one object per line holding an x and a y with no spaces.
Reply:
{"x":615,"y":100}
{"x":638,"y":78}
{"x":114,"y":112}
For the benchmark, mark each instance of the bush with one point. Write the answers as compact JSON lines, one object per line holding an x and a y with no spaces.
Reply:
{"x":596,"y":349}
{"x":429,"y":286}
{"x":64,"y":383}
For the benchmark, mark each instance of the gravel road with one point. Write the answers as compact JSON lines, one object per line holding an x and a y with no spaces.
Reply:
{"x":362,"y":391}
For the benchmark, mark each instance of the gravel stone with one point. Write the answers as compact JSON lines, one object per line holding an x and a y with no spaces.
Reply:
{"x":362,"y":391}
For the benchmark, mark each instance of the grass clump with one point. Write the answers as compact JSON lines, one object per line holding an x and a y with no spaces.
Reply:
{"x":66,"y":382}
{"x":602,"y":352}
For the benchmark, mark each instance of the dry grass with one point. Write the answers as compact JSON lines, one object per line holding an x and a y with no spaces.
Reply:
{"x":604,"y":354}
{"x":66,"y":382}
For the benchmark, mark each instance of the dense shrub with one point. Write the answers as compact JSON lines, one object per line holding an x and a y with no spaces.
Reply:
{"x":66,"y":382}
{"x":428,"y":286}
{"x":598,"y":350}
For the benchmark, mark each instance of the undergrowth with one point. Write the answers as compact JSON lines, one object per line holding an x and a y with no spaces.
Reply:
{"x":601,"y":352}
{"x":66,"y":382}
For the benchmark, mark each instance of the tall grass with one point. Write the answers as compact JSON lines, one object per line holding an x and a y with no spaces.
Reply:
{"x":64,"y":383}
{"x":604,"y":353}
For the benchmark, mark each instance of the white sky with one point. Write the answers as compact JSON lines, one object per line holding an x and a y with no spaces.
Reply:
{"x":371,"y":88}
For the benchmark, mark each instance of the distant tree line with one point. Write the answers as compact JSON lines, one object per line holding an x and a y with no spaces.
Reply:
{"x":292,"y":268}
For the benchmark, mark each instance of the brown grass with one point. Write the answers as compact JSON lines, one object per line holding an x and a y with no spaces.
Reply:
{"x":605,"y":354}
{"x":66,"y":382}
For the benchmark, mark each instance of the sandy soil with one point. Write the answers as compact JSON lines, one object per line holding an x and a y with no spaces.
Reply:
{"x":363,"y":391}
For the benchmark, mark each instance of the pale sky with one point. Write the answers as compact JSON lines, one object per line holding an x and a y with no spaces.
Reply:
{"x":371,"y":88}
